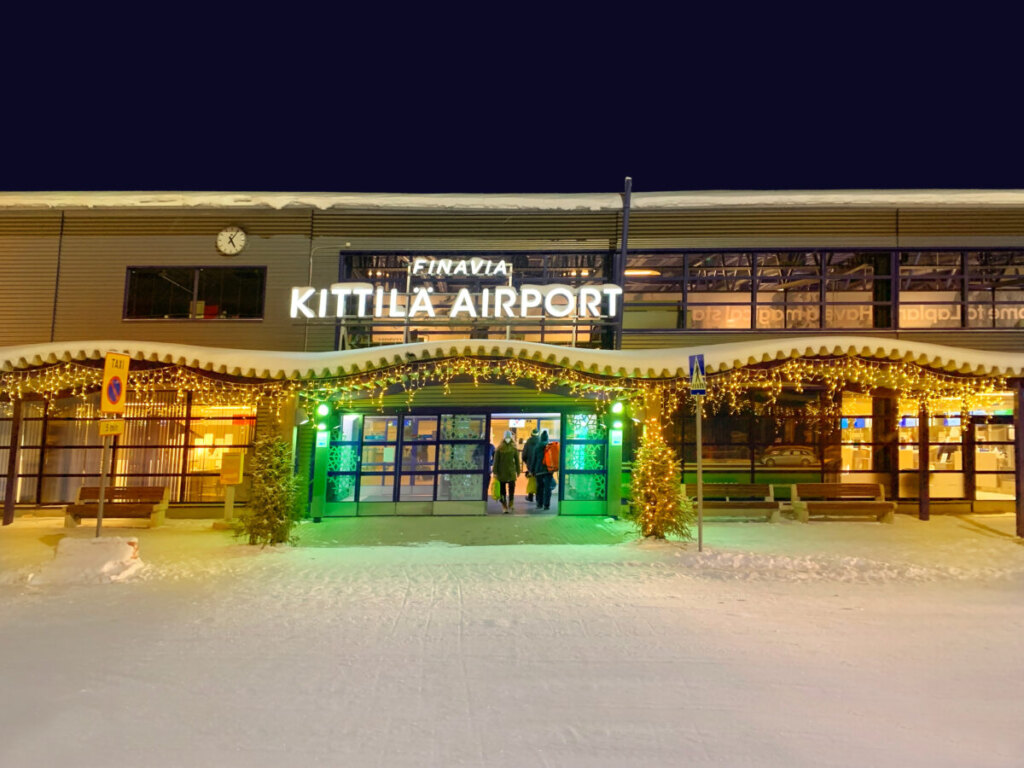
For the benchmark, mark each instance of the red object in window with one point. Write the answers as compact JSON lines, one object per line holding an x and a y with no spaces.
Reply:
{"x":241,"y":421}
{"x":210,"y":310}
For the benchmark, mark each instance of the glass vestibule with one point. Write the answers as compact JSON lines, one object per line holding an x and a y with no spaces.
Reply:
{"x":447,"y":457}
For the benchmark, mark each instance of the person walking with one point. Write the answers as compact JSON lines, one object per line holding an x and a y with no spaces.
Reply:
{"x":506,"y":470}
{"x":528,"y":451}
{"x":540,"y":470}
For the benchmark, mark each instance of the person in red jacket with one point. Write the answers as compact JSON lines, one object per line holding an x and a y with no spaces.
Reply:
{"x":540,"y":470}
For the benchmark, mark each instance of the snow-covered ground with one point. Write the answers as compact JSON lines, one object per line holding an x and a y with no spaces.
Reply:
{"x":446,"y":642}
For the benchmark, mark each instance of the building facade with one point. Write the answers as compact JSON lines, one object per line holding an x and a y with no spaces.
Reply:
{"x":330,"y":293}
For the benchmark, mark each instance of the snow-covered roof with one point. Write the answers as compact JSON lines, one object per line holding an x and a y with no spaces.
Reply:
{"x":901,"y":198}
{"x":644,"y":363}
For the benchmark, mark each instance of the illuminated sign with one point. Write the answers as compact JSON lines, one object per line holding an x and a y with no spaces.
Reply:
{"x":364,"y":300}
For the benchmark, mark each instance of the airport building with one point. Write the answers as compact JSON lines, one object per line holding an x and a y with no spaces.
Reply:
{"x":848,"y":337}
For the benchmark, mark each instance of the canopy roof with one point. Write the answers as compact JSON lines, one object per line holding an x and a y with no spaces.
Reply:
{"x":645,"y":363}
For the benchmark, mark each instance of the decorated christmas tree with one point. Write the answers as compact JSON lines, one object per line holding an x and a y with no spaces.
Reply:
{"x":659,"y":506}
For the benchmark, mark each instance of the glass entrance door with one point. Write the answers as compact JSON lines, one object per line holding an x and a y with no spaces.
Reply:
{"x":994,"y":458}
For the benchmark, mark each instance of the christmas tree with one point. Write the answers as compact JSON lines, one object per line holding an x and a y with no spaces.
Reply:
{"x":659,"y":506}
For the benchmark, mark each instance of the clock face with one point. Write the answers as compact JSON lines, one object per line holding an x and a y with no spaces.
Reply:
{"x":231,"y":240}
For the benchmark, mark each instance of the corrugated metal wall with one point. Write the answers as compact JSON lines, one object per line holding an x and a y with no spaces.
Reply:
{"x":98,"y":247}
{"x":29,"y":246}
{"x":487,"y":397}
{"x":962,"y":227}
{"x":762,"y":228}
{"x":467,"y":230}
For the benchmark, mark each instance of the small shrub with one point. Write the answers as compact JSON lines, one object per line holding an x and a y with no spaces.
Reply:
{"x":272,"y":510}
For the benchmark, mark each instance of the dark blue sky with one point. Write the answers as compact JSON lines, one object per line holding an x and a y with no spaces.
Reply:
{"x":741,"y":110}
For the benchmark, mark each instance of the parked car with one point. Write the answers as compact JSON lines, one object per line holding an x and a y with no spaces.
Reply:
{"x":788,"y":456}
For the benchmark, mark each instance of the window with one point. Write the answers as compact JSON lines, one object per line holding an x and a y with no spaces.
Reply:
{"x":197,"y":293}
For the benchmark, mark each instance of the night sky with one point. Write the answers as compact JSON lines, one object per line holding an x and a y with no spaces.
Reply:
{"x":739,"y":112}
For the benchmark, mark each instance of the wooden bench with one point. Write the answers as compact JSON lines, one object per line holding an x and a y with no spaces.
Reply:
{"x":119,"y":502}
{"x":854,"y":499}
{"x":735,"y":499}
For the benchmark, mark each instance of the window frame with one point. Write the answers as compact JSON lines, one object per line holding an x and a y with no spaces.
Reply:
{"x":196,"y":272}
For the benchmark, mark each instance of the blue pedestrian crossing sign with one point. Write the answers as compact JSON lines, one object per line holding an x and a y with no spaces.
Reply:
{"x":698,"y":382}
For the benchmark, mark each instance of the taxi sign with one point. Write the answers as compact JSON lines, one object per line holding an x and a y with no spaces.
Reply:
{"x":110,"y":427}
{"x":114,"y":392}
{"x":698,"y":381}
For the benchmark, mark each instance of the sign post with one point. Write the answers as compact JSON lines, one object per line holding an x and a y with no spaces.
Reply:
{"x":698,"y":388}
{"x":231,"y":463}
{"x":113,"y":396}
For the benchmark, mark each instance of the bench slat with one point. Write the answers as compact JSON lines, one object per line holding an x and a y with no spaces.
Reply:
{"x":112,"y":510}
{"x":743,"y":504}
{"x":140,"y":493}
{"x":830,"y":491}
{"x":119,"y":501}
{"x":761,"y":491}
{"x":868,"y":507}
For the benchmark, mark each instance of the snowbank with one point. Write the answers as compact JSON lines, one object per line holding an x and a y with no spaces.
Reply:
{"x":90,"y":561}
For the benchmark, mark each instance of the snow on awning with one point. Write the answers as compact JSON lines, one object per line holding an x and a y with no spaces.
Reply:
{"x":645,"y":363}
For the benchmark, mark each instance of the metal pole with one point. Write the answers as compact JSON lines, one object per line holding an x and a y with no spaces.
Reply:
{"x":620,"y":263}
{"x":10,"y":492}
{"x":408,"y":302}
{"x":700,"y":474}
{"x":508,"y":328}
{"x":103,"y":484}
{"x":1018,"y":434}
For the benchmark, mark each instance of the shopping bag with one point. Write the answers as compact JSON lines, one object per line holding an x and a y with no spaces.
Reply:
{"x":495,"y":489}
{"x":531,"y":484}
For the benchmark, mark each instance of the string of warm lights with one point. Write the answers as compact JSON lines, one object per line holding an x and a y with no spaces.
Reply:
{"x":77,"y":380}
{"x":731,"y":390}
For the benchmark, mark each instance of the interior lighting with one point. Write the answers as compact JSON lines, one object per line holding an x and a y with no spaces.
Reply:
{"x":642,"y":273}
{"x":617,"y":424}
{"x":323,"y":409}
{"x":321,"y":426}
{"x":617,"y":407}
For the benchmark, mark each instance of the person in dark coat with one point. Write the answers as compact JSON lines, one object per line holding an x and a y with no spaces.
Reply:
{"x":528,"y":451}
{"x":539,"y":470}
{"x":506,"y":470}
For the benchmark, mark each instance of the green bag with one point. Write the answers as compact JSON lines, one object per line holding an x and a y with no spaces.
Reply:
{"x":495,"y":489}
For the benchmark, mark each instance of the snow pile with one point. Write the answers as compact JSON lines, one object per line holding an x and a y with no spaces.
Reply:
{"x":91,"y":561}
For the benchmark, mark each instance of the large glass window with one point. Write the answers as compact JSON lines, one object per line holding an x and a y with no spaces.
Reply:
{"x":168,"y":441}
{"x":717,"y":291}
{"x":797,"y":290}
{"x":198,"y":293}
{"x":995,"y":290}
